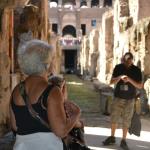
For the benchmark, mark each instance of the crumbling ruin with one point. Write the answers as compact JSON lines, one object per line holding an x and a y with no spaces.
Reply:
{"x":17,"y":17}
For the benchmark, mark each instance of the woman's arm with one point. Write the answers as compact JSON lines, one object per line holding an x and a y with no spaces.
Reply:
{"x":59,"y":122}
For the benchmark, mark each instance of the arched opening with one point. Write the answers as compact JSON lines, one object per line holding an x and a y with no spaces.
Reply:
{"x":53,"y":3}
{"x":107,"y":3}
{"x":83,"y":3}
{"x":70,"y":60}
{"x":73,"y":2}
{"x":69,"y":30}
{"x":94,"y":3}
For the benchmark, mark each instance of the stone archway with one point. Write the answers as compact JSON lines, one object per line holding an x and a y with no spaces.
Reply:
{"x":83,"y":3}
{"x":53,"y":3}
{"x":94,"y":3}
{"x":147,"y":52}
{"x":69,"y":30}
{"x":107,"y":3}
{"x":69,"y":19}
{"x":70,"y":60}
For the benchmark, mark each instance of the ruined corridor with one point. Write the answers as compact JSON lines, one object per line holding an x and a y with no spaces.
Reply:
{"x":89,"y":37}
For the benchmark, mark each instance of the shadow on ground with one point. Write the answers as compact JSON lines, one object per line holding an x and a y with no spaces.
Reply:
{"x":95,"y":142}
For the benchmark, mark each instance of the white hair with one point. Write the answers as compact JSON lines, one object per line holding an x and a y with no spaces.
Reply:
{"x":34,"y":57}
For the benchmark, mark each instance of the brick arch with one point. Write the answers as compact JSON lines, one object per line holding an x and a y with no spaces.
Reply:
{"x":69,"y":19}
{"x":94,"y":3}
{"x":83,"y":3}
{"x":69,"y":30}
{"x":108,"y":3}
{"x":53,"y":2}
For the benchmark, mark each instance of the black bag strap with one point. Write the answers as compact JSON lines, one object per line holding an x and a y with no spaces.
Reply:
{"x":32,"y":112}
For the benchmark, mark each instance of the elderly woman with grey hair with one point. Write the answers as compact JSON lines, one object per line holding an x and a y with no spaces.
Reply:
{"x":35,"y":59}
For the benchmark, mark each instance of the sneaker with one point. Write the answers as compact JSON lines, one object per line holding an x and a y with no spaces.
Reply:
{"x":124,"y":145}
{"x":109,"y":141}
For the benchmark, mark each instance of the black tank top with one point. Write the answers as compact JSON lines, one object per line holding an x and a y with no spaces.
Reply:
{"x":26,"y":124}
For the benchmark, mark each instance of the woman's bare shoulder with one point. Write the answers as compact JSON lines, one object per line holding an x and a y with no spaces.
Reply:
{"x":15,"y":90}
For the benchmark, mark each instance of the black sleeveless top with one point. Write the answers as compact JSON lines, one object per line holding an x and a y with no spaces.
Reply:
{"x":26,"y":124}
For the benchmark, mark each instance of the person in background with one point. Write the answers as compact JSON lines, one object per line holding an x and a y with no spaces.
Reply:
{"x":127,"y":78}
{"x":35,"y":59}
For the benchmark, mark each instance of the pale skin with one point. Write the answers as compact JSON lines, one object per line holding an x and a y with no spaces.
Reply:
{"x":126,"y":79}
{"x":59,"y":123}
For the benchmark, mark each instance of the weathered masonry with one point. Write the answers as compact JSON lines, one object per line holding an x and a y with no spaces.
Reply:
{"x":20,"y":20}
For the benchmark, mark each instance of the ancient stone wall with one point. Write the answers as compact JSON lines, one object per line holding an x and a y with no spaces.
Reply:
{"x":5,"y":65}
{"x":84,"y":56}
{"x":57,"y":61}
{"x":82,"y":16}
{"x":12,"y":3}
{"x":34,"y":18}
{"x":30,"y":22}
{"x":93,"y":52}
{"x":122,"y":21}
{"x":6,"y":59}
{"x":106,"y":47}
{"x":127,"y":14}
{"x":89,"y":54}
{"x":8,"y":46}
{"x":139,"y":9}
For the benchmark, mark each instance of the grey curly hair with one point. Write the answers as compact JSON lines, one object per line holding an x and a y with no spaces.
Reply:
{"x":35,"y":56}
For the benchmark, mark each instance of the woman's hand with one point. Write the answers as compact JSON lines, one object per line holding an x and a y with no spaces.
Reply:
{"x":64,"y":90}
{"x":79,"y":124}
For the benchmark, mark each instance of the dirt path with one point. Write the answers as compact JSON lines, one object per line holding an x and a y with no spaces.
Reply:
{"x":82,"y":92}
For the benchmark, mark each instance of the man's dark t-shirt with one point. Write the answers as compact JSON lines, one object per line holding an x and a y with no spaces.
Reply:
{"x":126,"y":90}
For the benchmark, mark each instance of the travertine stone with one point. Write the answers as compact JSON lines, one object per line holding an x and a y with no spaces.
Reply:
{"x":12,"y":3}
{"x":106,"y":46}
{"x":5,"y":91}
{"x":36,"y":20}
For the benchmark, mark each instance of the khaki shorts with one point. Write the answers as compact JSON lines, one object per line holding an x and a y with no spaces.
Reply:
{"x":122,"y":109}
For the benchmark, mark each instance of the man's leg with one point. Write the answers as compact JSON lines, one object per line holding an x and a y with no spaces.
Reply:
{"x":116,"y":110}
{"x":123,"y":143}
{"x":113,"y":129}
{"x":125,"y":131}
{"x":111,"y":139}
{"x":127,"y":115}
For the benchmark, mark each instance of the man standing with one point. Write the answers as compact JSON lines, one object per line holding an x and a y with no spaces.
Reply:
{"x":126,"y":77}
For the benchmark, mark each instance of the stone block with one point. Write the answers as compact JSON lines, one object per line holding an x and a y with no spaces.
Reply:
{"x":105,"y":102}
{"x":12,"y":3}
